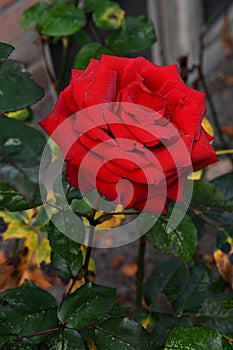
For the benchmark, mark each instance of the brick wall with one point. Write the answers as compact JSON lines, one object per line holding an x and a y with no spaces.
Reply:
{"x":27,"y":49}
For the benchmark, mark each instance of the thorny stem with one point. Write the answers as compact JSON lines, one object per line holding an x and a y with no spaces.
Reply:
{"x":140,"y":271}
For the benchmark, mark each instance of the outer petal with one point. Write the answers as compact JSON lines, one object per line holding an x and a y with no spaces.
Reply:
{"x":202,"y":152}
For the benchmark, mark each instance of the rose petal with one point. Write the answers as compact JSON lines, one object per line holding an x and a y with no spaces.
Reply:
{"x":202,"y":152}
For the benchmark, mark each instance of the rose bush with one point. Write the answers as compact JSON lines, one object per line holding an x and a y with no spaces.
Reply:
{"x":152,"y":134}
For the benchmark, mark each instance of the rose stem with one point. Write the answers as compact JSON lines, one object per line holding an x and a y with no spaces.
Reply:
{"x":93,"y":30}
{"x":50,"y":74}
{"x":42,"y":332}
{"x":66,"y":43}
{"x":140,"y":271}
{"x":88,"y":252}
{"x":224,"y":151}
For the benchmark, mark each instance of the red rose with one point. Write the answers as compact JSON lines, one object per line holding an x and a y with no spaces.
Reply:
{"x":151,"y":136}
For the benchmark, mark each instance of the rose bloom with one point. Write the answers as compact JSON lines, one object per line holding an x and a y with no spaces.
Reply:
{"x":153,"y":140}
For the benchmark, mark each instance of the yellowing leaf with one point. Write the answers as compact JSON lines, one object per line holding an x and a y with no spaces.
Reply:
{"x":207,"y":126}
{"x":31,"y":242}
{"x":16,"y":227}
{"x":43,"y":251}
{"x":196,"y":175}
{"x":20,"y":114}
{"x":146,"y":322}
{"x":56,"y":152}
{"x":114,"y":221}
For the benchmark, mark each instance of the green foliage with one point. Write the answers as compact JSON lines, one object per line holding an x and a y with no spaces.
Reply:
{"x":213,"y":315}
{"x":121,"y":334}
{"x":21,"y":148}
{"x":136,"y":33}
{"x":66,"y":255}
{"x":88,"y":51}
{"x":180,"y":242}
{"x":36,"y":14}
{"x":208,"y":197}
{"x":224,"y":184}
{"x":86,"y":305}
{"x":26,"y":310}
{"x":13,"y":200}
{"x":169,"y":278}
{"x":197,"y":289}
{"x":93,"y":5}
{"x":196,"y":338}
{"x":65,"y":340}
{"x":63,"y":20}
{"x":164,"y":325}
{"x":18,"y":90}
{"x":5,"y":51}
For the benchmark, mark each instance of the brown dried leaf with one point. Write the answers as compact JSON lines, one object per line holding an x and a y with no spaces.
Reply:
{"x":118,"y":261}
{"x":224,"y":265}
{"x":129,"y":270}
{"x":228,"y":130}
{"x":35,"y":275}
{"x":229,"y":80}
{"x":12,"y":269}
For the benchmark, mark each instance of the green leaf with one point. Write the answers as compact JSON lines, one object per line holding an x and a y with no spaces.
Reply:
{"x":12,"y":200}
{"x":22,"y":344}
{"x":70,"y":224}
{"x":92,"y":5}
{"x":136,"y":33}
{"x":108,"y":16}
{"x":66,"y":254}
{"x":197,"y":289}
{"x":195,"y":338}
{"x":21,"y":148}
{"x":88,"y":51}
{"x":63,"y":20}
{"x":86,"y":305}
{"x":164,"y":325}
{"x":18,"y":90}
{"x":169,"y":277}
{"x":81,"y":206}
{"x":26,"y":310}
{"x":69,"y":339}
{"x":228,"y":303}
{"x":124,"y":334}
{"x":213,"y":315}
{"x":224,"y":185}
{"x":36,"y":14}
{"x":5,"y":51}
{"x":180,"y":242}
{"x":207,"y":197}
